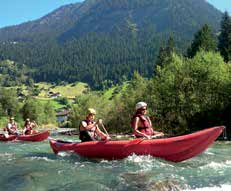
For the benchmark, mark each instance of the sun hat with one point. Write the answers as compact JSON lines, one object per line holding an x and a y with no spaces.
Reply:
{"x":140,"y":105}
{"x":91,"y":111}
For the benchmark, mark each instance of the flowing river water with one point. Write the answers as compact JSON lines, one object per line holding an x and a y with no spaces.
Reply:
{"x":34,"y":167}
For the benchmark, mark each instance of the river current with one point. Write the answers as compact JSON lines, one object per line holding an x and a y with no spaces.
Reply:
{"x":34,"y":167}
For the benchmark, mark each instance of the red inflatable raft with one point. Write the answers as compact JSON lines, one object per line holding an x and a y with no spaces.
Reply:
{"x":32,"y":138}
{"x":8,"y":138}
{"x":174,"y":149}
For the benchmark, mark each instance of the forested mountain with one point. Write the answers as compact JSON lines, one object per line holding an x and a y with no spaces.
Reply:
{"x":75,"y":20}
{"x":103,"y":41}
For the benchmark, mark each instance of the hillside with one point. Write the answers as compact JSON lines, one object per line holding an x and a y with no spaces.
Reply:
{"x":182,"y":17}
{"x":103,"y":42}
{"x":75,"y":20}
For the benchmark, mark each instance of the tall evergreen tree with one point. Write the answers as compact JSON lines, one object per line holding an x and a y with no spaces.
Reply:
{"x":224,"y":45}
{"x":165,"y":53}
{"x":161,"y":56}
{"x":170,"y":48}
{"x":203,"y":39}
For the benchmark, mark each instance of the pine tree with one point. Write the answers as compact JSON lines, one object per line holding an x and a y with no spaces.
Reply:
{"x":224,"y":45}
{"x":165,"y":53}
{"x":170,"y":48}
{"x":203,"y":39}
{"x":161,"y":56}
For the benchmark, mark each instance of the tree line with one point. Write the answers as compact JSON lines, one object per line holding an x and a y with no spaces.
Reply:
{"x":11,"y":105}
{"x":101,"y":59}
{"x":186,"y":92}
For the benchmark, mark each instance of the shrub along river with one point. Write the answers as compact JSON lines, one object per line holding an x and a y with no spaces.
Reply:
{"x":34,"y":167}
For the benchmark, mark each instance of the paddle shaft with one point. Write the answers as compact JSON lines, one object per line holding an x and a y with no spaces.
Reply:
{"x":104,"y":129}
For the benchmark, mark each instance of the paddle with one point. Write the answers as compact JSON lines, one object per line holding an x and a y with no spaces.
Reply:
{"x":157,"y":136}
{"x":105,"y":129}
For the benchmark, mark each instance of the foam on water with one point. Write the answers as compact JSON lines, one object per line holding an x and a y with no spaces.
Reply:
{"x":209,"y":153}
{"x":221,"y":188}
{"x":148,"y":160}
{"x":42,"y":158}
{"x":6,"y":154}
{"x":64,"y":154}
{"x":217,"y":165}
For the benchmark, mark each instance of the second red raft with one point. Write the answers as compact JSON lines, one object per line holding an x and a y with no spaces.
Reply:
{"x":40,"y":136}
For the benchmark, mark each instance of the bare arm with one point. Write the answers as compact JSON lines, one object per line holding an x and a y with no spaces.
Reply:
{"x":155,"y":132}
{"x":149,"y":120}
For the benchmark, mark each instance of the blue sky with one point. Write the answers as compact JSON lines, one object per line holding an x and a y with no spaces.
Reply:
{"x":14,"y":12}
{"x":223,"y":5}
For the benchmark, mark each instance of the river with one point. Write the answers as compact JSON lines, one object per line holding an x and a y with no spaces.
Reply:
{"x":34,"y":167}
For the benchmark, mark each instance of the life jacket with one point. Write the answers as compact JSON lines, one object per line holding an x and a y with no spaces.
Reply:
{"x":146,"y":128}
{"x":28,"y":129}
{"x":85,"y":135}
{"x":12,"y":127}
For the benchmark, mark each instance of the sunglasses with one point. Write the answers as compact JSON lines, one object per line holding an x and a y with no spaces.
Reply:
{"x":143,"y":109}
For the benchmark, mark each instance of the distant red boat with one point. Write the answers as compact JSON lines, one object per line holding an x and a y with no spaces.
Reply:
{"x":32,"y":138}
{"x":8,"y":138}
{"x":175,"y":149}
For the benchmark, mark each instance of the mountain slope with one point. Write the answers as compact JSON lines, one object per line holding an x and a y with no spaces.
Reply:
{"x":74,"y":20}
{"x":103,"y":41}
{"x":181,"y":16}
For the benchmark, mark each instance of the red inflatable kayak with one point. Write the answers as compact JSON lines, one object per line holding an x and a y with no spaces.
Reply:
{"x":33,"y":138}
{"x":8,"y":138}
{"x":174,"y":149}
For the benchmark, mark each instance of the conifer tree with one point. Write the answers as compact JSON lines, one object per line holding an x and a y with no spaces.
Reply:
{"x":203,"y":39}
{"x":224,"y":45}
{"x":170,"y":48}
{"x":165,"y":53}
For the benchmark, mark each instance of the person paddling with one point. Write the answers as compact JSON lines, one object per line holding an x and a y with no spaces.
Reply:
{"x":89,"y":130}
{"x":11,"y":128}
{"x":141,"y":123}
{"x":29,"y":127}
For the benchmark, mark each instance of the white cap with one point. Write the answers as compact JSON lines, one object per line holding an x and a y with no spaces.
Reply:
{"x":141,"y":104}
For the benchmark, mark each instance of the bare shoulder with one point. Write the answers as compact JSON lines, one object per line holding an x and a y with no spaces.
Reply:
{"x":136,"y":118}
{"x":84,"y":123}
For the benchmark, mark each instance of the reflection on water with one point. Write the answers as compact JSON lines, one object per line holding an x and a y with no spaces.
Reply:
{"x":33,"y":166}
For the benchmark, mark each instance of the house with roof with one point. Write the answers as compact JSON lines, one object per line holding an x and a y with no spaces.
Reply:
{"x":62,"y":116}
{"x":54,"y":95}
